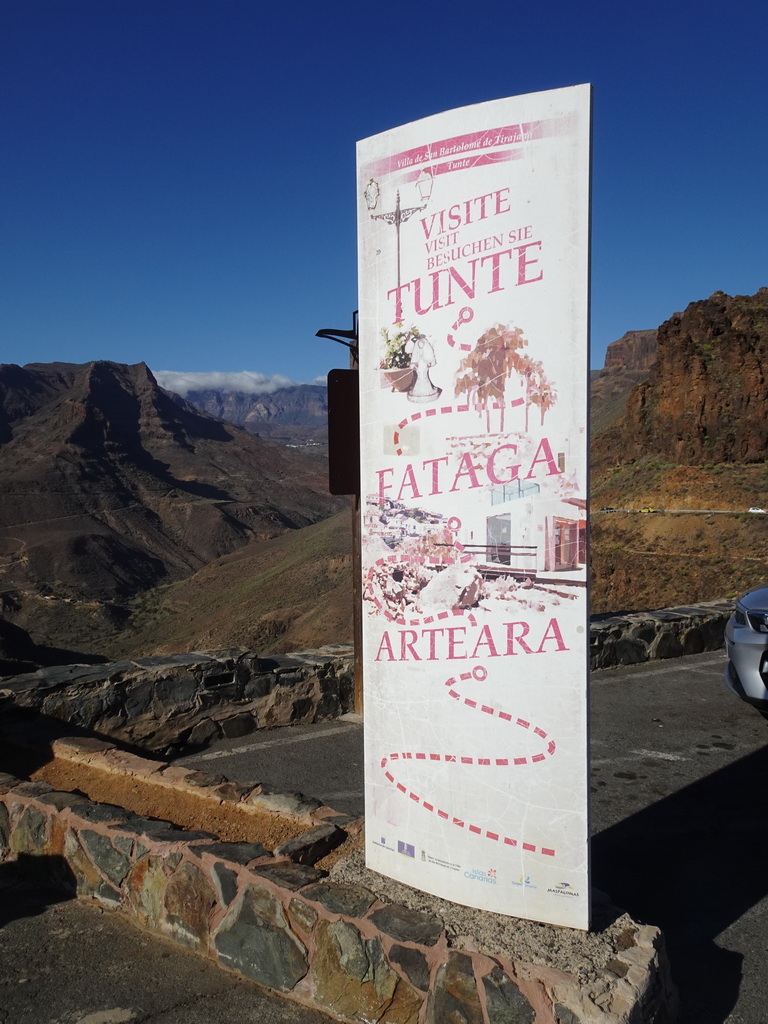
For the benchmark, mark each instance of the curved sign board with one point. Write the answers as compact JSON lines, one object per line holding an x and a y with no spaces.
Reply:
{"x":473,"y":250}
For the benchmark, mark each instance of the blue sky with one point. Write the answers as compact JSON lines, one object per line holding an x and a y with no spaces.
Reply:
{"x":179,"y":175}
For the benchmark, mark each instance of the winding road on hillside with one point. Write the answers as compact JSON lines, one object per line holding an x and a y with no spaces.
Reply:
{"x":681,"y":511}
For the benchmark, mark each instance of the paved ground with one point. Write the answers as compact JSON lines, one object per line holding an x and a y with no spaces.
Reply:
{"x":680,"y":830}
{"x":71,"y":963}
{"x":323,"y":760}
{"x":678,"y":771}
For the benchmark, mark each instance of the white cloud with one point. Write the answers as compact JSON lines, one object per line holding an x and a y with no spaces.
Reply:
{"x":246,"y":382}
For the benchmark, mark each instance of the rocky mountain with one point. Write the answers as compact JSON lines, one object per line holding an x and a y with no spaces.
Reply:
{"x":706,"y":399}
{"x":120,"y":488}
{"x":111,"y":487}
{"x":635,"y":350}
{"x":628,"y":362}
{"x":294,"y":414}
{"x":639,"y":561}
{"x":694,"y":436}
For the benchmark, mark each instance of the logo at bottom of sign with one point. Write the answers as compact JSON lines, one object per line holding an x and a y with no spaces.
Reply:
{"x":563,"y":889}
{"x":488,"y":876}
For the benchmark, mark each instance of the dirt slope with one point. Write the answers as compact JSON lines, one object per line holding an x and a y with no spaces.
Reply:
{"x":290,"y":593}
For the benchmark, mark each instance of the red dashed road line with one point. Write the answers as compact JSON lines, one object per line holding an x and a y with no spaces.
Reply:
{"x":479,"y":674}
{"x":442,"y":411}
{"x":370,"y":593}
{"x":462,"y":347}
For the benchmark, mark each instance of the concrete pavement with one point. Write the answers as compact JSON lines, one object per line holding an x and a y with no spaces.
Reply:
{"x":70,"y":962}
{"x":324,"y":760}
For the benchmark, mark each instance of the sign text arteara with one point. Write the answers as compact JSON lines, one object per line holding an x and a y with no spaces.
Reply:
{"x":455,"y":643}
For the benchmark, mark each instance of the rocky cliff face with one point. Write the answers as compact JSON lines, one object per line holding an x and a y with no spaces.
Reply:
{"x":706,"y":399}
{"x":627,"y":363}
{"x":635,"y":350}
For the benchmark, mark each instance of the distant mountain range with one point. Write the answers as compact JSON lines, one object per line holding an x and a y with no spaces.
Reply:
{"x":299,"y":414}
{"x":293,"y":415}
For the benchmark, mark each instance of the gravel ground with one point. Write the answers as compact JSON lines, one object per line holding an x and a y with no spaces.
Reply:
{"x":582,"y":954}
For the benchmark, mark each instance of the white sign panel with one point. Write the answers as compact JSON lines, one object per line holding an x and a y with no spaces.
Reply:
{"x":473,"y":241}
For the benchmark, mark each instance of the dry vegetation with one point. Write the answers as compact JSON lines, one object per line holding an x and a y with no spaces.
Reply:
{"x":642,"y":561}
{"x":290,"y":593}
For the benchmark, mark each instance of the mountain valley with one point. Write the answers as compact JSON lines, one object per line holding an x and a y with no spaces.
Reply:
{"x":111,"y":487}
{"x":134,"y":523}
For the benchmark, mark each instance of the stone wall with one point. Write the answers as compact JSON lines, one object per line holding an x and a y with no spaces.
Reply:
{"x":177,"y":700}
{"x":169,"y":702}
{"x":327,"y":944}
{"x":635,"y":637}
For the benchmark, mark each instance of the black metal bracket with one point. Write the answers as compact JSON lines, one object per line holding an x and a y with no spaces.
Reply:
{"x":333,"y":335}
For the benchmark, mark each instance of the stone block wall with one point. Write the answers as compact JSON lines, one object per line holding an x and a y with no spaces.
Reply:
{"x":331,"y":945}
{"x":169,"y":702}
{"x":188,"y":699}
{"x":635,"y":637}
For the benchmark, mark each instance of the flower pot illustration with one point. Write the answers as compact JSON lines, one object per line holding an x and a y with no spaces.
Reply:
{"x":408,"y":356}
{"x":398,"y":379}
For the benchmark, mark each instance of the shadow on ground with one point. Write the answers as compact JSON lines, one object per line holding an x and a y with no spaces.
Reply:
{"x":31,"y":884}
{"x":26,"y":741}
{"x":693,"y":863}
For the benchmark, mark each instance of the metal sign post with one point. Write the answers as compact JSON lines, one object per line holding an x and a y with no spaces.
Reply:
{"x":344,"y":471}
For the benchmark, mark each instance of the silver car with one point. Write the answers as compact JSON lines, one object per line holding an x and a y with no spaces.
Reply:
{"x":746,"y":644}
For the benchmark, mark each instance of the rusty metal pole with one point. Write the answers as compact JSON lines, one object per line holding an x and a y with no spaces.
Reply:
{"x":357,"y":580}
{"x":344,"y":473}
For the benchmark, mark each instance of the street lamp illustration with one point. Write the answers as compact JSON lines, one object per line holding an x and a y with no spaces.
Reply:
{"x":424,"y":184}
{"x":400,"y":214}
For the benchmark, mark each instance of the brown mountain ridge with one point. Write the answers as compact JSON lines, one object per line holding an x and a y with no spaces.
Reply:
{"x":111,"y":487}
{"x":706,"y":397}
{"x":628,"y":362}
